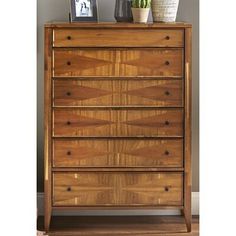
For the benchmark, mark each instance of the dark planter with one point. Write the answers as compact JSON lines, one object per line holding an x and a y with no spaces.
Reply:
{"x":123,"y":11}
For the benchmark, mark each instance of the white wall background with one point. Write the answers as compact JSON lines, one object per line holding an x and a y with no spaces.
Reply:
{"x":57,"y":10}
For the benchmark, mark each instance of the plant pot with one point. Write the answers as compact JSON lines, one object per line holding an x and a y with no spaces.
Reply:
{"x":164,"y":10}
{"x":140,"y":15}
{"x":123,"y":11}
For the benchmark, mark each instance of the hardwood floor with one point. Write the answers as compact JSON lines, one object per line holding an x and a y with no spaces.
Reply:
{"x":120,"y":225}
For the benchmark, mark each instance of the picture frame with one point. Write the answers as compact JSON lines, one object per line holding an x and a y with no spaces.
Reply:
{"x":83,"y":11}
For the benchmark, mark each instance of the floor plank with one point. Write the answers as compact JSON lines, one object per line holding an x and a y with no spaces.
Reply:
{"x":119,"y":225}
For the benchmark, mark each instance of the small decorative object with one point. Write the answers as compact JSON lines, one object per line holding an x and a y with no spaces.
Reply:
{"x":123,"y":11}
{"x":140,"y":10}
{"x":164,"y":10}
{"x":83,"y":10}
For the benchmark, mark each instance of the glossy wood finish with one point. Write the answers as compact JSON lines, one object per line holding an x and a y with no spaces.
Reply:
{"x":104,"y":189}
{"x":131,"y":92}
{"x":188,"y":128}
{"x":117,"y":123}
{"x":115,"y":26}
{"x":117,"y":117}
{"x":118,"y":153}
{"x":117,"y":38}
{"x":117,"y":62}
{"x":47,"y":126}
{"x":118,"y":169}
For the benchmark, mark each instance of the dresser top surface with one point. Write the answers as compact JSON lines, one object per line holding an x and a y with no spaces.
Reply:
{"x":116,"y":25}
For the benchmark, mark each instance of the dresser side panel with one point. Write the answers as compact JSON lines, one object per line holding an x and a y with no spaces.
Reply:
{"x":47,"y":125}
{"x":188,"y":130}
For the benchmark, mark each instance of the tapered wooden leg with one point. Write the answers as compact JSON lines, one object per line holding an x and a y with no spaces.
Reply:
{"x":47,"y":205}
{"x":47,"y":220}
{"x":188,"y":219}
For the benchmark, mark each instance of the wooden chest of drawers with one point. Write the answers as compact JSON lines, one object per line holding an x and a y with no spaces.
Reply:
{"x":117,"y":117}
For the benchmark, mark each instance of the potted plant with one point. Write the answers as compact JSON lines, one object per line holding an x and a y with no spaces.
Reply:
{"x":140,"y":10}
{"x":164,"y":10}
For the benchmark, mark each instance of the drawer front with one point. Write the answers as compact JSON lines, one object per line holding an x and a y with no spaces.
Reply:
{"x":117,"y":189}
{"x":116,"y":62}
{"x":117,"y":38}
{"x":118,"y":153}
{"x":161,"y":93}
{"x":113,"y":123}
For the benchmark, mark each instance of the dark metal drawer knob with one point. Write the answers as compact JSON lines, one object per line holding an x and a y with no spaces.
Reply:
{"x":167,"y":153}
{"x":69,"y":37}
{"x":69,"y":189}
{"x":167,"y":63}
{"x":68,"y":93}
{"x":68,"y":63}
{"x":167,"y":37}
{"x":166,"y":189}
{"x":167,"y":122}
{"x":68,"y":122}
{"x":69,"y":153}
{"x":167,"y":93}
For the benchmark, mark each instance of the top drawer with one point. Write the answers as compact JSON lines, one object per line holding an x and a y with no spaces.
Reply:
{"x":117,"y":38}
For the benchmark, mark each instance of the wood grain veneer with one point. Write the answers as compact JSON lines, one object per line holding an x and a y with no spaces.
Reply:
{"x":117,"y":117}
{"x":131,"y":92}
{"x":104,"y":189}
{"x":117,"y":62}
{"x":122,"y":123}
{"x":115,"y":26}
{"x":117,"y":38}
{"x":118,"y":153}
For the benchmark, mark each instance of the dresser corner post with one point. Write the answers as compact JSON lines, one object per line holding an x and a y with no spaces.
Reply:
{"x":47,"y":126}
{"x":188,"y":129}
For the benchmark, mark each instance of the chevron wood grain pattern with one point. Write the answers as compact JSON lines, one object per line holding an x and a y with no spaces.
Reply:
{"x":117,"y":38}
{"x":117,"y":117}
{"x":118,"y":153}
{"x":117,"y":62}
{"x":127,"y":188}
{"x":127,"y":92}
{"x":117,"y":123}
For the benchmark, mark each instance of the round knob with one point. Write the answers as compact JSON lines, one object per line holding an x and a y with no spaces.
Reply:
{"x":167,"y":122}
{"x":68,"y":122}
{"x":167,"y":153}
{"x":68,"y":63}
{"x":167,"y":37}
{"x":167,"y":63}
{"x":167,"y":93}
{"x":68,"y":93}
{"x":69,"y":37}
{"x":69,"y":153}
{"x":69,"y":189}
{"x":166,"y":189}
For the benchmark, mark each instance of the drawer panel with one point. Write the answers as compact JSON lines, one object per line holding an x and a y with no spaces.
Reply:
{"x":113,"y":123}
{"x":117,"y":38}
{"x":117,"y":62}
{"x":161,"y":93}
{"x":118,"y":153}
{"x":117,"y":189}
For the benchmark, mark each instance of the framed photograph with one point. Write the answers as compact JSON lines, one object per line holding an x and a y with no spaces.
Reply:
{"x":84,"y":10}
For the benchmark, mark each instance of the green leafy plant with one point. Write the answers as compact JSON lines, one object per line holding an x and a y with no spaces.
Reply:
{"x":141,"y":3}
